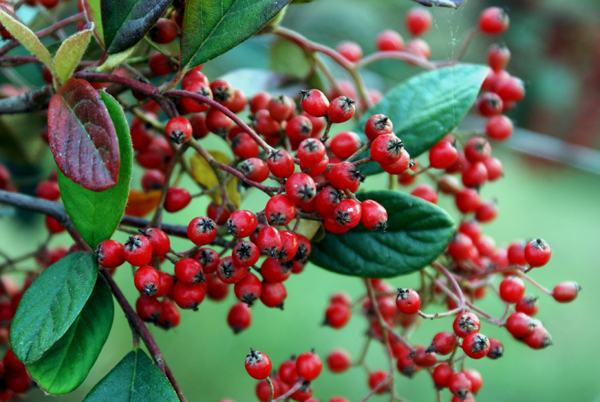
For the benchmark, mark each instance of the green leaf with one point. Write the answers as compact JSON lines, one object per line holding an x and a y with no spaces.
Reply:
{"x":51,"y":304}
{"x":211,"y":28}
{"x":125,"y":22}
{"x":93,"y":14}
{"x":25,"y":37}
{"x":417,"y":233}
{"x":71,"y":51}
{"x":67,"y":363}
{"x":427,"y":106}
{"x":96,"y":215}
{"x":134,"y":379}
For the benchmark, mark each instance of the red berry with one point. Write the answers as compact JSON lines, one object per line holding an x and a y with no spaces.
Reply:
{"x":245,"y":147}
{"x":239,"y":317}
{"x":498,"y":57}
{"x":345,"y":175}
{"x":337,"y":315}
{"x":344,"y":144}
{"x":245,"y":253}
{"x":189,"y":271}
{"x":516,"y":253}
{"x":465,"y":324}
{"x":259,"y":101}
{"x":110,"y":254}
{"x":269,"y":241}
{"x":138,"y":250}
{"x":511,"y":90}
{"x":309,"y":365}
{"x":160,"y":64}
{"x":280,"y":107}
{"x":477,"y":149}
{"x":493,"y":167}
{"x":17,"y":381}
{"x":287,"y":372}
{"x":258,"y":365}
{"x":460,"y":385}
{"x":248,"y":289}
{"x":289,"y":246}
{"x":475,"y":378}
{"x":528,"y":305}
{"x":443,"y":343}
{"x":499,"y":128}
{"x":153,"y":179}
{"x":303,"y":393}
{"x":273,"y":294}
{"x":199,"y":88}
{"x":11,"y":363}
{"x":178,"y":130}
{"x":311,"y":151}
{"x":159,"y":240}
{"x":54,"y":225}
{"x":496,"y":349}
{"x":442,"y":155}
{"x":275,"y":271}
{"x":493,"y":20}
{"x":538,"y":338}
{"x":208,"y":258}
{"x":254,"y":169}
{"x":490,"y":104}
{"x":299,"y":128}
{"x":229,"y":272}
{"x":48,"y":190}
{"x":341,"y":109}
{"x":474,"y":175}
{"x":169,"y":316}
{"x":419,"y":47}
{"x":338,"y":361}
{"x":280,"y":163}
{"x":300,"y":188}
{"x":373,"y":216}
{"x":460,"y":247}
{"x":566,"y":292}
{"x":476,"y":346}
{"x":347,"y":213}
{"x":177,"y":198}
{"x":408,"y":301}
{"x":537,"y":253}
{"x":148,"y":308}
{"x":377,"y":125}
{"x":165,"y":31}
{"x":424,"y":358}
{"x":486,"y":246}
{"x":512,"y":289}
{"x":241,"y":223}
{"x":426,"y":192}
{"x":379,"y":379}
{"x":165,"y":284}
{"x":467,"y":200}
{"x":399,"y":167}
{"x":314,"y":102}
{"x":519,"y":325}
{"x":189,"y":297}
{"x":216,"y":289}
{"x":389,"y":40}
{"x":418,"y":21}
{"x":304,"y":248}
{"x":328,"y":199}
{"x":202,"y":230}
{"x":222,"y":91}
{"x":263,"y":390}
{"x":350,"y":50}
{"x":146,"y":280}
{"x":406,"y":365}
{"x":239,"y":101}
{"x":441,"y":375}
{"x":386,"y":149}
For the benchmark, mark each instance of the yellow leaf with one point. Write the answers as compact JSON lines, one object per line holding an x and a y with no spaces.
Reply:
{"x":140,"y":204}
{"x":308,"y":228}
{"x":26,"y":37}
{"x":204,"y":174}
{"x":70,"y":52}
{"x":114,"y":60}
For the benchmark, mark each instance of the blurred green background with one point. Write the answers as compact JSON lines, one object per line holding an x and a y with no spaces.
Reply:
{"x":536,"y":198}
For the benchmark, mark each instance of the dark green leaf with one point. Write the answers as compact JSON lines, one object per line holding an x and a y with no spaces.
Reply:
{"x":67,"y":363}
{"x":125,"y":22}
{"x":417,"y":233}
{"x":211,"y":28}
{"x":95,"y":214}
{"x":51,"y":304}
{"x":427,"y":106}
{"x":134,"y":379}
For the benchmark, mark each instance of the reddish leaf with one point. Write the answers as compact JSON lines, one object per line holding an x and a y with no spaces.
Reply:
{"x":82,"y":136}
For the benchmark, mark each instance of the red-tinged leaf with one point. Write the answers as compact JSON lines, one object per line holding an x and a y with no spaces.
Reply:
{"x":82,"y":136}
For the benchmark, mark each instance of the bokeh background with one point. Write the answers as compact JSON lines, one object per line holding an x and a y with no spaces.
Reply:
{"x":554,"y":195}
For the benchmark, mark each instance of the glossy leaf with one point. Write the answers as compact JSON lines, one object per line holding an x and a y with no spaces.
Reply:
{"x":71,"y":51}
{"x":211,"y":28}
{"x":82,"y":136}
{"x":134,"y":379}
{"x":25,"y":37}
{"x":96,"y":214}
{"x":417,"y":233}
{"x":93,"y":14}
{"x":141,"y":204}
{"x":51,"y":304}
{"x":125,"y":22}
{"x":67,"y":363}
{"x":427,"y":106}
